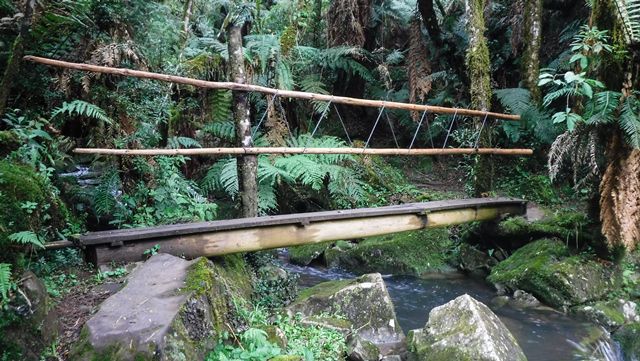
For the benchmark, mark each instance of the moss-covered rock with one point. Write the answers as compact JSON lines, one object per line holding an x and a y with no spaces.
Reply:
{"x":28,"y":202}
{"x":8,"y":142}
{"x":170,"y":309}
{"x":363,"y":302}
{"x":304,"y":255}
{"x":610,"y":314}
{"x":464,"y":329}
{"x":408,"y":253}
{"x":547,"y":269}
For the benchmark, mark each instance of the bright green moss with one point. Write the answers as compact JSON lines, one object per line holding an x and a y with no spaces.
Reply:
{"x":304,"y":255}
{"x":28,"y":203}
{"x":409,"y":253}
{"x":200,"y":277}
{"x":323,"y":289}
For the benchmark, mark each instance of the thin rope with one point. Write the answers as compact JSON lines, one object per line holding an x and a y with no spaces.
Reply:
{"x":455,"y":114}
{"x":264,"y":115}
{"x":480,"y":132}
{"x":415,"y":135}
{"x":374,"y":127}
{"x":324,"y":112}
{"x":393,"y":133}
{"x":430,"y":134}
{"x":343,"y":126}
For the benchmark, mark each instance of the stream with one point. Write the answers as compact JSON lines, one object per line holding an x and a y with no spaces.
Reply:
{"x":544,"y":334}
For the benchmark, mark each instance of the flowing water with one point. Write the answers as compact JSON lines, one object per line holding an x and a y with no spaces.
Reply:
{"x":544,"y":334}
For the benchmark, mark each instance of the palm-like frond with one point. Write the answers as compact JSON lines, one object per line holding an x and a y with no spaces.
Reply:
{"x":5,"y":281}
{"x":629,"y":12}
{"x":630,"y":121}
{"x":602,"y":110}
{"x":82,"y":108}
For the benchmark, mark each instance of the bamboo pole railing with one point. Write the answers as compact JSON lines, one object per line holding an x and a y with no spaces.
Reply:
{"x":298,"y":150}
{"x":266,"y":90}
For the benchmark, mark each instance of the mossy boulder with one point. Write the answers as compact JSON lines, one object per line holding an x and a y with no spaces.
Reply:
{"x":28,"y":202}
{"x":363,"y":303}
{"x":466,"y":330}
{"x":8,"y":142}
{"x":610,"y":314}
{"x":547,"y":269}
{"x":170,"y":309}
{"x":409,"y":253}
{"x":305,"y":255}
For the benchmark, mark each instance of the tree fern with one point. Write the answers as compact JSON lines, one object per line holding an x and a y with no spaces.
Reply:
{"x":5,"y":281}
{"x":82,"y":108}
{"x":221,"y":102}
{"x":26,"y":238}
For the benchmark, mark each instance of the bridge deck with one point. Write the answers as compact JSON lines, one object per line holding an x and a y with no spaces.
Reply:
{"x":251,"y":234}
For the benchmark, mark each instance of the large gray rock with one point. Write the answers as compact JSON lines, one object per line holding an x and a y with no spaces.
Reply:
{"x":465,"y":330}
{"x":170,"y":309}
{"x":363,"y":303}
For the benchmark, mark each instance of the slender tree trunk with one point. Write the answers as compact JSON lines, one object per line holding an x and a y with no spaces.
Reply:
{"x":17,"y":52}
{"x":532,"y":40}
{"x":317,"y":22}
{"x":247,"y":166}
{"x":479,"y":70}
{"x":430,"y":20}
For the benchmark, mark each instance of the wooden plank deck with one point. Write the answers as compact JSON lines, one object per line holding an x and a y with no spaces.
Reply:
{"x":251,"y":234}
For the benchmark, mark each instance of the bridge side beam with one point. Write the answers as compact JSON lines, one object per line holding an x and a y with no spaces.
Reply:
{"x":269,"y":237}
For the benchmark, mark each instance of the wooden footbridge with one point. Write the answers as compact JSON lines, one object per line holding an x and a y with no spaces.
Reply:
{"x":260,"y":233}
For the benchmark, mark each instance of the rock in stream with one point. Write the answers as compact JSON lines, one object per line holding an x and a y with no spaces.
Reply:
{"x":363,"y":305}
{"x":466,"y":330}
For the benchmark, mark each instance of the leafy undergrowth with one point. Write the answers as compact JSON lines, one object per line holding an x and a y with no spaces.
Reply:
{"x":281,"y":337}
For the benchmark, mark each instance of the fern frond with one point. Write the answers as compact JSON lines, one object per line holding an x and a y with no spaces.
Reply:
{"x":223,"y":176}
{"x":630,"y":121}
{"x":221,"y":104}
{"x":176,"y":142}
{"x":26,"y":238}
{"x":517,"y":100}
{"x":82,"y":108}
{"x":104,"y":195}
{"x":602,"y":109}
{"x":551,"y":97}
{"x":224,"y":130}
{"x":5,"y":280}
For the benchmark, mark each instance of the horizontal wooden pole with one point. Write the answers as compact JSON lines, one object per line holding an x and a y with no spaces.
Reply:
{"x":266,"y":90}
{"x":286,"y":150}
{"x":268,"y":237}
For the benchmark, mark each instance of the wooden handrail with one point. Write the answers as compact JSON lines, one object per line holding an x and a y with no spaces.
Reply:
{"x":299,"y":150}
{"x":266,"y":90}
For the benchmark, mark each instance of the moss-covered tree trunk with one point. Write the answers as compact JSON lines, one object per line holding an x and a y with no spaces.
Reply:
{"x":532,"y":40}
{"x":247,"y":165}
{"x":479,"y":70}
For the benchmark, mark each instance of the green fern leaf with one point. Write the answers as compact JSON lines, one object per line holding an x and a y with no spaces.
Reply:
{"x":5,"y":281}
{"x":224,"y":130}
{"x":82,"y":108}
{"x":26,"y":238}
{"x":630,"y":121}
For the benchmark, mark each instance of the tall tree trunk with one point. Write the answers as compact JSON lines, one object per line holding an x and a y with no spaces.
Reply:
{"x":532,"y":40}
{"x":17,"y":52}
{"x":430,"y":20}
{"x":620,"y":185}
{"x":479,"y":70}
{"x":247,"y":165}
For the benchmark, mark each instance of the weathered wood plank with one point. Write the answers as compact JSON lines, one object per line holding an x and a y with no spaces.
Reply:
{"x":126,"y":235}
{"x":267,"y":236}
